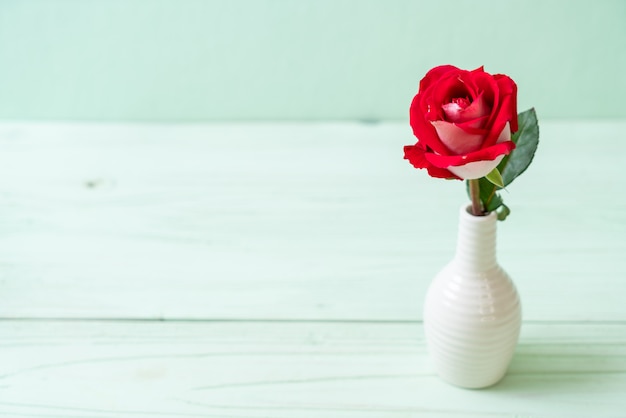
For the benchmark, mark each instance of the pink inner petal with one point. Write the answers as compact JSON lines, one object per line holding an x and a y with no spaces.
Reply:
{"x":477,"y":109}
{"x":456,"y":139}
{"x":459,"y":110}
{"x":505,"y":135}
{"x":476,"y":169}
{"x":452,"y":111}
{"x":477,"y":123}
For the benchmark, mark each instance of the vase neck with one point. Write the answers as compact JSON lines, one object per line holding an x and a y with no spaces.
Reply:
{"x":476,"y":242}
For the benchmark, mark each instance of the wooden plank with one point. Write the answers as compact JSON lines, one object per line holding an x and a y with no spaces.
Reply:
{"x":309,"y":221}
{"x":292,"y":369}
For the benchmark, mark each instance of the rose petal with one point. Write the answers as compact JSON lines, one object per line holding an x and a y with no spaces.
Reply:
{"x":505,"y":135}
{"x":504,"y":108}
{"x":435,"y":74}
{"x":452,"y":111}
{"x":416,"y":157}
{"x":474,"y":126}
{"x":500,"y":126}
{"x":488,"y":87}
{"x":483,"y":154}
{"x":508,"y":88}
{"x":422,"y":129}
{"x":477,"y":109}
{"x":456,"y":139}
{"x":446,"y":89}
{"x":476,"y":169}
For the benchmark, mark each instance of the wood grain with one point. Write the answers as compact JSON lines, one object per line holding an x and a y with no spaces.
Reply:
{"x":238,"y":369}
{"x":289,"y":221}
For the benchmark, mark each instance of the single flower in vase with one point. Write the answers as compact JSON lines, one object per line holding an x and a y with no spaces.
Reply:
{"x":467,"y":128}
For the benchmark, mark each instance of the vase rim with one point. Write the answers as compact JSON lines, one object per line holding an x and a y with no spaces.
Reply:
{"x":466,"y":212}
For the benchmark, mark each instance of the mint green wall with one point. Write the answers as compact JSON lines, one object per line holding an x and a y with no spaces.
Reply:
{"x":195,"y":60}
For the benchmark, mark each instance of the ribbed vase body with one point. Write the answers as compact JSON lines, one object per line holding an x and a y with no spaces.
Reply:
{"x":472,"y":313}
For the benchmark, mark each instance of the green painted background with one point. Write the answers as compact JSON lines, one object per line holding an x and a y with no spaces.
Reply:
{"x":196,"y":60}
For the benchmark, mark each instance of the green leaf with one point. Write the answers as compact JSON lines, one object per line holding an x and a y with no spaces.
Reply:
{"x":502,"y":212}
{"x":490,"y":198}
{"x":495,"y":178}
{"x":526,"y":140}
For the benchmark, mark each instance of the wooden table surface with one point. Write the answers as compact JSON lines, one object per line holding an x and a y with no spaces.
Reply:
{"x":279,"y":271}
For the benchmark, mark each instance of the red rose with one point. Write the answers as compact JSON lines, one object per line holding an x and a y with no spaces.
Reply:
{"x":463,"y":122}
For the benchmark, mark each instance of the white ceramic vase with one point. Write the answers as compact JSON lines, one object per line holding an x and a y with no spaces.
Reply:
{"x":472,"y":313}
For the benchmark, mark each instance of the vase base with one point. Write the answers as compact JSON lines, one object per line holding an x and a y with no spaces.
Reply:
{"x":473,"y":384}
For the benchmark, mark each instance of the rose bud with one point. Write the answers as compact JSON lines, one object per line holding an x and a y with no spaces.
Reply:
{"x":463,"y":122}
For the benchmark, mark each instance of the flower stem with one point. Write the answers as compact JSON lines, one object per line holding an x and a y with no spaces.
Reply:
{"x":474,"y":188}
